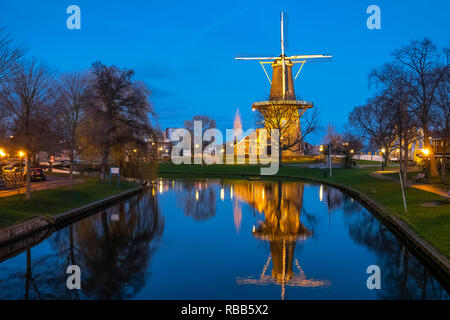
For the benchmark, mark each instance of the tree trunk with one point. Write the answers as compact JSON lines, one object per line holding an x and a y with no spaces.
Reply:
{"x":444,"y":161}
{"x":28,"y":176}
{"x":433,"y":164}
{"x":405,"y":164}
{"x":280,"y":156}
{"x":71,"y":158}
{"x":386,"y":157}
{"x":104,"y":165}
{"x":400,"y":156}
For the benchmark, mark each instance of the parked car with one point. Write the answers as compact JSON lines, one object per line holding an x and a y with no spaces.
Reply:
{"x":37,"y":174}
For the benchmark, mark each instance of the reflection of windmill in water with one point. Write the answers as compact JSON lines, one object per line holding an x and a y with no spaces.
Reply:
{"x":281,"y":205}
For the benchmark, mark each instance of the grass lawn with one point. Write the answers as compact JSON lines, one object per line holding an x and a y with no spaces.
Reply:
{"x":15,"y":209}
{"x":431,"y":223}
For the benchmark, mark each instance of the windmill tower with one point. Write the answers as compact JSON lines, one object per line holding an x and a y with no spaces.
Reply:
{"x":282,"y":92}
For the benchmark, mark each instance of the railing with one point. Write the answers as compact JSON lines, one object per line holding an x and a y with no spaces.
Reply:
{"x":11,"y":180}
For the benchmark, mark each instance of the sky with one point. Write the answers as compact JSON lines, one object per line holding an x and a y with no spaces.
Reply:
{"x":184,"y":50}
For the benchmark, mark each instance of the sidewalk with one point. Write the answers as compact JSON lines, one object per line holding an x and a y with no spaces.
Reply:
{"x":420,"y":186}
{"x":431,"y":188}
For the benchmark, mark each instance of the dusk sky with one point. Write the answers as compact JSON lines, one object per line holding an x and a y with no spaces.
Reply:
{"x":184,"y":51}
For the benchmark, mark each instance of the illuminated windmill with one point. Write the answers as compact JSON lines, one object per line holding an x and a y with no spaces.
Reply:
{"x":282,"y":93}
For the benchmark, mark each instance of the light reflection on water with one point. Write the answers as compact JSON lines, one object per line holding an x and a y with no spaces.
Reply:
{"x":222,"y":239}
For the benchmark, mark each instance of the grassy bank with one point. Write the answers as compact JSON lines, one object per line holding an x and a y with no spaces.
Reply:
{"x":431,"y":223}
{"x":15,"y":209}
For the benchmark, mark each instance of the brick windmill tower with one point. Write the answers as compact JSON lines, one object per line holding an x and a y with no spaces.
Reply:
{"x":282,"y":100}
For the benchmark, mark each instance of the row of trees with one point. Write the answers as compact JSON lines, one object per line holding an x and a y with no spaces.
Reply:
{"x":411,"y":103}
{"x":103,"y":110}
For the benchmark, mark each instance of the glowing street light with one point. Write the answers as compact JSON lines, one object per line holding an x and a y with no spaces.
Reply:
{"x":426,"y":152}
{"x":383,"y":150}
{"x":21,"y":154}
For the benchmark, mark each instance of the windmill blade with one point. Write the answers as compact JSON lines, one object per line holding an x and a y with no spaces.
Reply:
{"x":311,"y":56}
{"x":257,"y":58}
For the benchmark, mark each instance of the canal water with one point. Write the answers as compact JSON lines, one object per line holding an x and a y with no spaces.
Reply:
{"x":222,"y":239}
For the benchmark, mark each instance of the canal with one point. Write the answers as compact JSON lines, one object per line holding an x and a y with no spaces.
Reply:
{"x":222,"y":239}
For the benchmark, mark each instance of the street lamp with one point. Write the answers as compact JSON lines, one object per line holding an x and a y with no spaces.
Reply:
{"x":426,"y":152}
{"x":383,"y":150}
{"x":2,"y":154}
{"x":21,"y":154}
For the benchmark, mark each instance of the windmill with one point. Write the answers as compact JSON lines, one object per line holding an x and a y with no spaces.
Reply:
{"x":282,"y":86}
{"x":282,"y":101}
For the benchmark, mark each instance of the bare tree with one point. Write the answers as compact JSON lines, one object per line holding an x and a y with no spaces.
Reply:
{"x":120,"y":107}
{"x":345,"y":145}
{"x":395,"y":93}
{"x":71,"y":91}
{"x":207,"y":123}
{"x":9,"y":55}
{"x":441,"y":118}
{"x":292,"y":126}
{"x":27,"y":96}
{"x":421,"y":61}
{"x":376,"y":122}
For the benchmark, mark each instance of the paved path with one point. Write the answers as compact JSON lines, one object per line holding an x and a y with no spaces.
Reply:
{"x":431,"y":188}
{"x":424,"y":187}
{"x":381,"y":175}
{"x":51,"y":183}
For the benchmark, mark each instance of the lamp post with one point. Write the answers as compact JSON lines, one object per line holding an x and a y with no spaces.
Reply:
{"x":426,"y":152}
{"x":21,"y":154}
{"x":2,"y":154}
